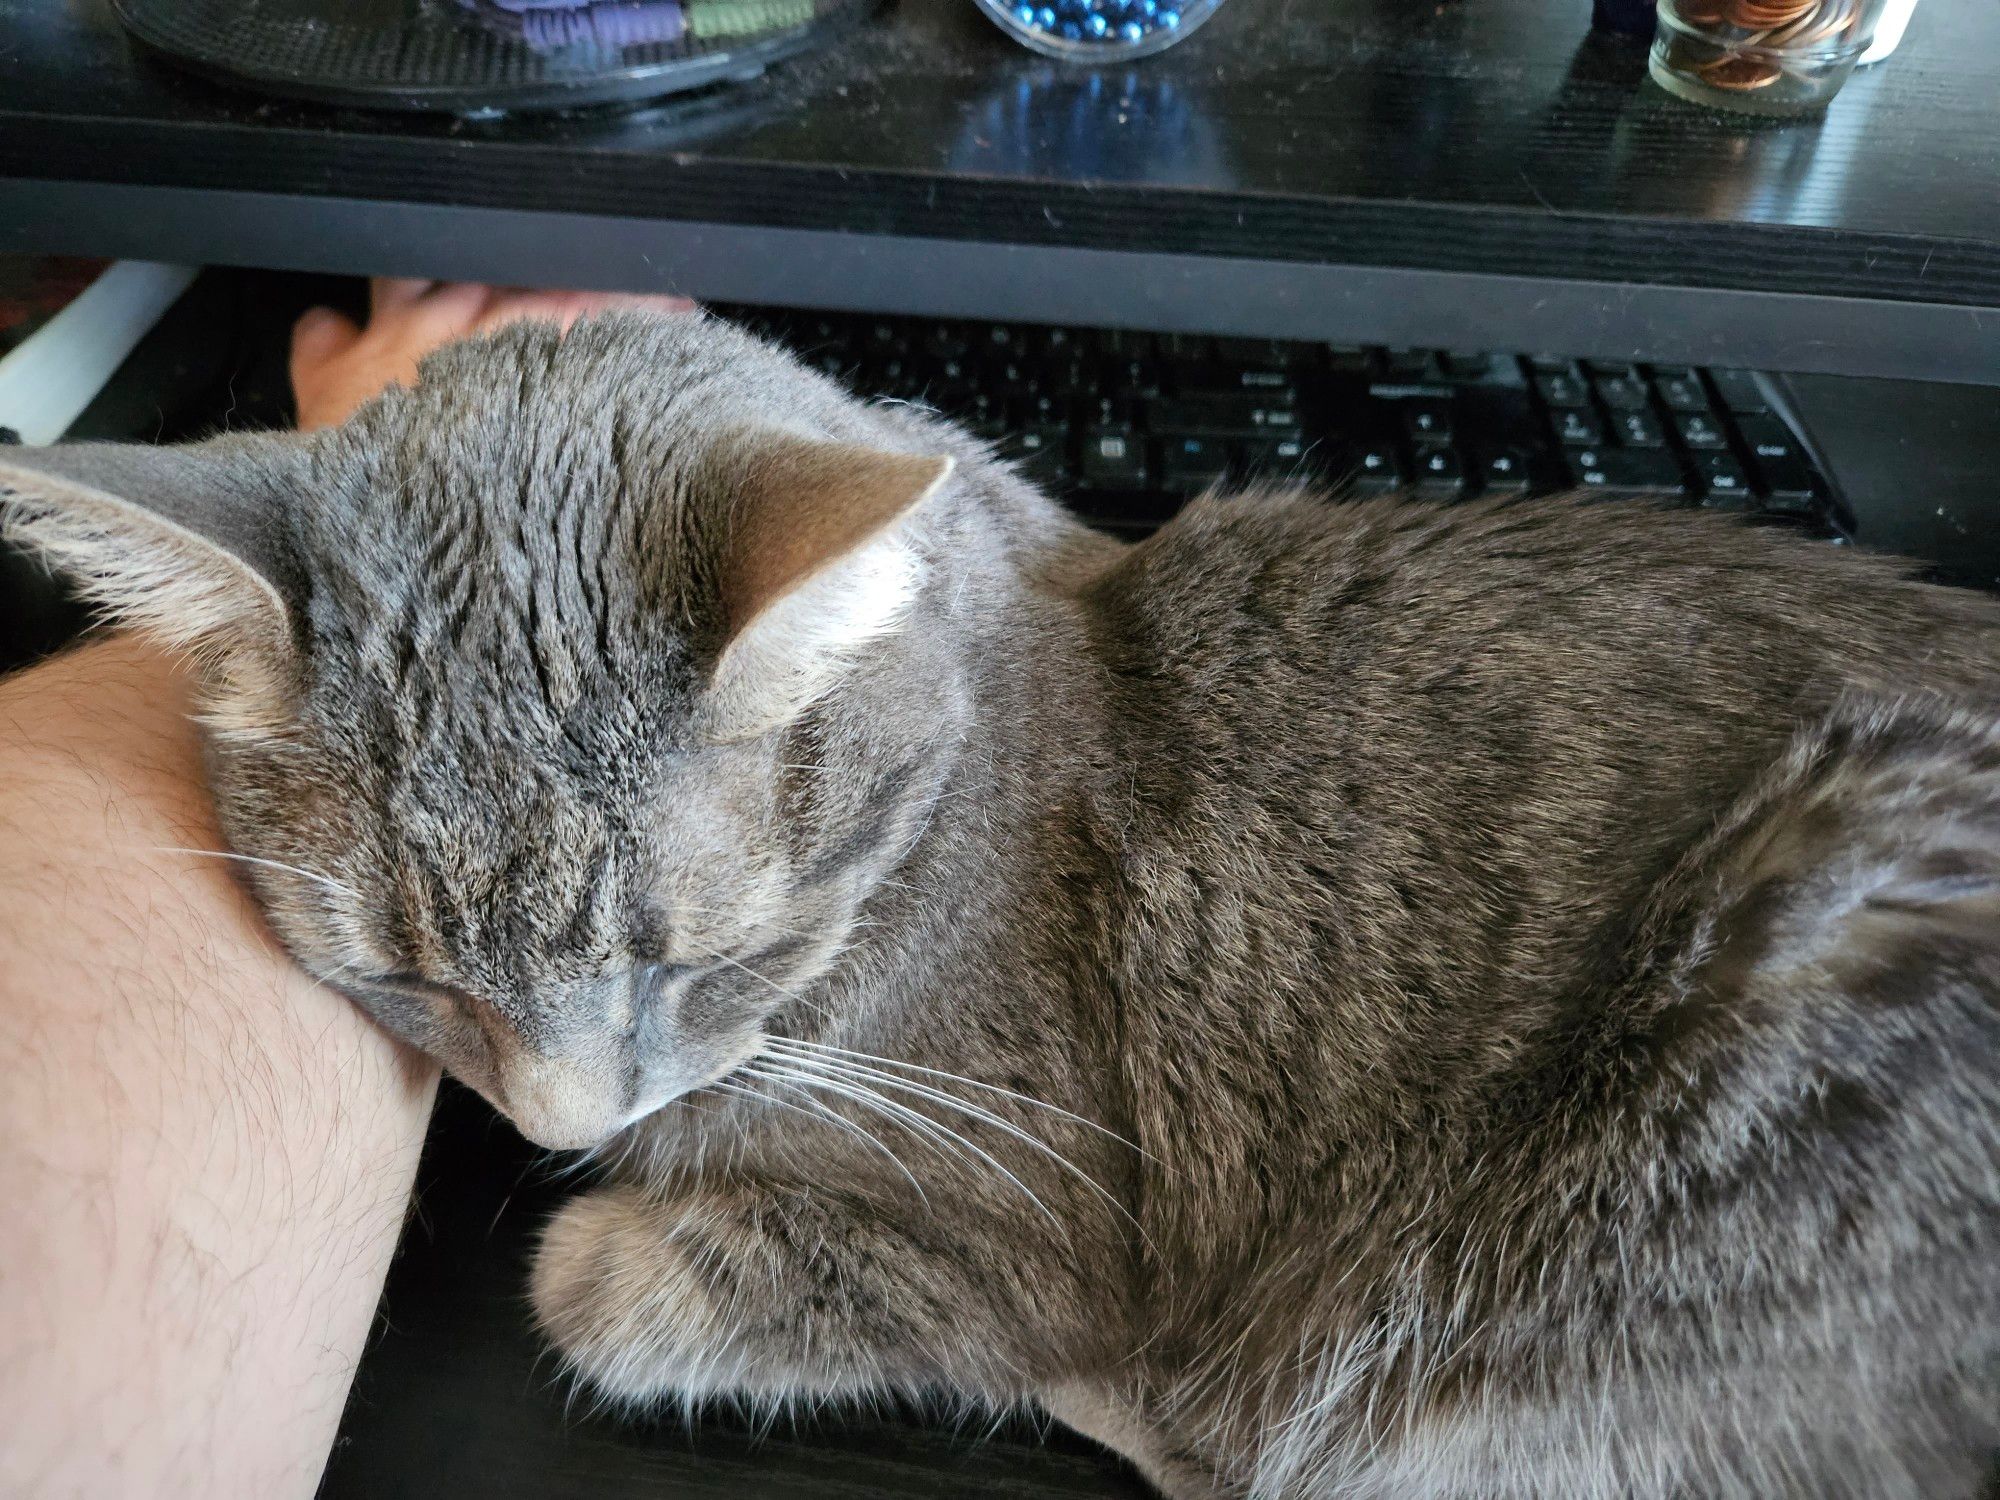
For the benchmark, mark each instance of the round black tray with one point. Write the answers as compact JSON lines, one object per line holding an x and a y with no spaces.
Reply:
{"x":475,"y":56}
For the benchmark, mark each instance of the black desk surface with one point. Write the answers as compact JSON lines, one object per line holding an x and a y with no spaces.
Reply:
{"x":1467,"y":173}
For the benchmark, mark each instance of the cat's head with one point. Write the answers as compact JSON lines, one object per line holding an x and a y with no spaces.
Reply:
{"x":569,"y":701}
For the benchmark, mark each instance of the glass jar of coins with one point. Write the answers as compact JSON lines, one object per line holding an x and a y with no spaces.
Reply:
{"x":1770,"y":57}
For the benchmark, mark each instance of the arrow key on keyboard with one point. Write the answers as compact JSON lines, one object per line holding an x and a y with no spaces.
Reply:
{"x":1506,"y":472}
{"x":1728,"y":486}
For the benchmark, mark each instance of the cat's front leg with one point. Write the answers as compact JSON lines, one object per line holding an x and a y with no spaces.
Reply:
{"x":779,"y":1291}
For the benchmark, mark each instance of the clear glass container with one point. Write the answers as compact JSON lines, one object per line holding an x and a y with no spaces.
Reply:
{"x":1092,"y":31}
{"x":1767,"y":57}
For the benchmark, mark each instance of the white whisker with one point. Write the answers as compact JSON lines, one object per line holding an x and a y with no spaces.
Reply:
{"x":830,"y":1115}
{"x":992,"y":1088}
{"x":914,"y":1119}
{"x":797,"y":999}
{"x":853,"y":1073}
{"x":250,"y":859}
{"x":716,"y":911}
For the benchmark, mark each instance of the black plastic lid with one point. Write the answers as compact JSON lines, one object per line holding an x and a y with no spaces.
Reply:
{"x":470,"y":56}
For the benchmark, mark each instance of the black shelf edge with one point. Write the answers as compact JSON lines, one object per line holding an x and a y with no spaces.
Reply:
{"x":686,"y":190}
{"x":1025,"y":280}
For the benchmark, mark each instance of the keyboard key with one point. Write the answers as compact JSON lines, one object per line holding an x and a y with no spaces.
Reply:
{"x":1681,"y":389}
{"x":1578,"y":429}
{"x":1801,"y":504}
{"x":1193,"y":462}
{"x":1346,"y":359}
{"x":1622,"y":393}
{"x":1562,"y":390}
{"x":1274,"y":352}
{"x":1727,"y":485}
{"x":1248,"y":414}
{"x":1552,"y":364}
{"x":883,"y":336}
{"x":1506,"y":471}
{"x":1067,"y":377}
{"x":942,"y":341}
{"x":1112,"y":458}
{"x":1629,"y":471}
{"x":1124,"y":343}
{"x":1739,"y":392}
{"x":1638,"y":429}
{"x":1195,"y":376}
{"x":1040,"y":409}
{"x":1055,"y":343}
{"x":1439,"y":474}
{"x":1014,"y":377}
{"x":1042,"y":452}
{"x":1130,"y":377}
{"x":1787,"y":479}
{"x":1377,"y":468}
{"x":1260,"y":378}
{"x":1768,"y":438}
{"x":1611,"y":369}
{"x":1700,"y":430}
{"x":1474,"y":366}
{"x":1285,"y":456}
{"x":1426,"y":421}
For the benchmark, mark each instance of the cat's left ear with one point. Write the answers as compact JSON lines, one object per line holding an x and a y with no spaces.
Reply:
{"x":185,"y":544}
{"x":814,"y":563}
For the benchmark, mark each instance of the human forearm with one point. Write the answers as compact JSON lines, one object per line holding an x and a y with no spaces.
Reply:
{"x":204,"y":1157}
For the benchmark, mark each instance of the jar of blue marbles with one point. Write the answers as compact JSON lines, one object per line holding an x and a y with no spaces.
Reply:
{"x":1090,"y":31}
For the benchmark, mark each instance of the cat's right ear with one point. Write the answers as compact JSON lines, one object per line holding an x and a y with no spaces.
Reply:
{"x":812,"y":568}
{"x":185,"y":544}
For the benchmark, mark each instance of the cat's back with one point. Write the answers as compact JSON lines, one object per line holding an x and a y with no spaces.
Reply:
{"x":1267,"y":584}
{"x":1483,"y":733}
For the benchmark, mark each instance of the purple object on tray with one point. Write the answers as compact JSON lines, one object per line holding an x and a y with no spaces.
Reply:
{"x":550,"y":24}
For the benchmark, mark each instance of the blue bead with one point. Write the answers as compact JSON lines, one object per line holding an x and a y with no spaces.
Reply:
{"x":1025,"y":14}
{"x":1046,"y":18}
{"x":1149,"y":8}
{"x":1132,"y":31}
{"x":1072,"y":30}
{"x":1097,"y":25}
{"x":1170,"y":19}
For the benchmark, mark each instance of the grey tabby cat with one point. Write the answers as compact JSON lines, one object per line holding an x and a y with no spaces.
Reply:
{"x":1372,"y":1000}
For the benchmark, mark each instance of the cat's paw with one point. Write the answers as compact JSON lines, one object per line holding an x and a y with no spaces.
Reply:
{"x":619,"y":1295}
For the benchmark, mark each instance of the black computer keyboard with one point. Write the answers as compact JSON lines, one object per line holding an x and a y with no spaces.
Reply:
{"x":1126,"y":426}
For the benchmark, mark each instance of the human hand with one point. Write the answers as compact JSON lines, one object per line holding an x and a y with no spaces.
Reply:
{"x":337,"y":366}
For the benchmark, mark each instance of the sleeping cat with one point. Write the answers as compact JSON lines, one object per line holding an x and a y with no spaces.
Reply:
{"x":1373,"y":1000}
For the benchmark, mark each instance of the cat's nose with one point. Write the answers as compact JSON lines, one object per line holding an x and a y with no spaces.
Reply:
{"x":563,"y":1103}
